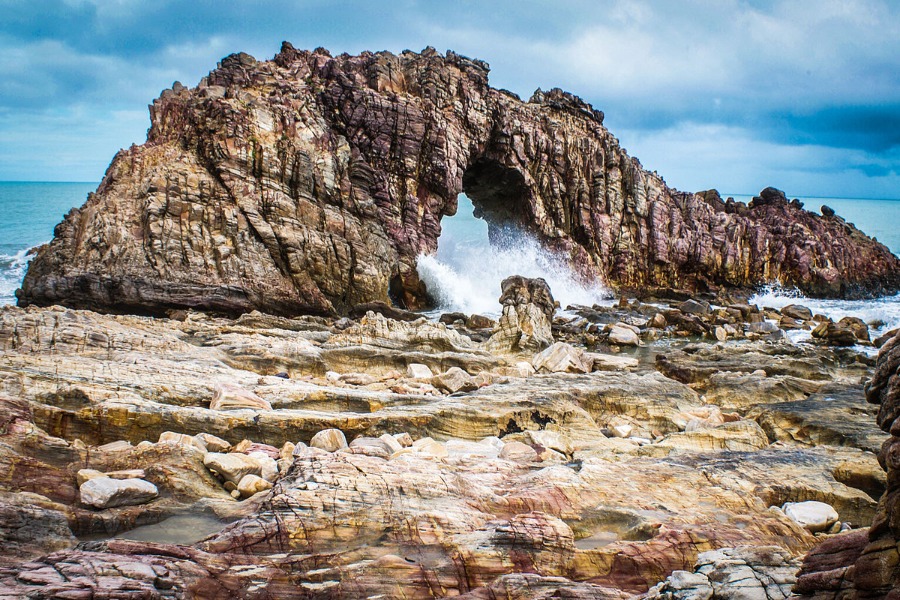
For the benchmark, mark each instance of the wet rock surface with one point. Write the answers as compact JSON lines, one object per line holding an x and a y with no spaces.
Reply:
{"x":310,"y":184}
{"x":403,"y":458}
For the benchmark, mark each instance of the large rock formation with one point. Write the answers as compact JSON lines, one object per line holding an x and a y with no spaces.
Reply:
{"x":858,"y":565}
{"x":310,"y":183}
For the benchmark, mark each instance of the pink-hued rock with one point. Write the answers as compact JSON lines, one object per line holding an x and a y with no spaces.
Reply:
{"x":311,"y":183}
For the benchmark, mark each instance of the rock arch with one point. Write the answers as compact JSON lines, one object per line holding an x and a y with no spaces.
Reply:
{"x":310,"y":183}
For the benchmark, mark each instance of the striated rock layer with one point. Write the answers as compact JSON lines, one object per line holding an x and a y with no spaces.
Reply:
{"x":310,"y":183}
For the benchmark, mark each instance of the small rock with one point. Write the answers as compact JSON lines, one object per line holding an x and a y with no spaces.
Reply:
{"x":418,"y":371}
{"x":404,"y":438}
{"x":268,"y":467}
{"x":429,"y":446}
{"x":117,"y":446}
{"x":233,"y":466}
{"x":797,"y":311}
{"x":127,"y":474}
{"x":827,"y":211}
{"x":181,"y":439}
{"x":721,"y":334}
{"x":694,"y":307}
{"x":252,"y":484}
{"x":479,"y":322}
{"x":360,"y":379}
{"x":611,"y":362}
{"x":658,"y":321}
{"x":105,"y":492}
{"x":454,"y":380}
{"x":88,"y":474}
{"x":228,"y":396}
{"x":623,"y":336}
{"x":330,"y":440}
{"x":561,"y":358}
{"x":518,"y":452}
{"x":391,"y":443}
{"x":621,"y":431}
{"x":814,"y":516}
{"x":213,"y":443}
{"x":452,"y":317}
{"x":835,"y":334}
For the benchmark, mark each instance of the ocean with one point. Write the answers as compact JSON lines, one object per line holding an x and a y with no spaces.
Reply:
{"x":466,"y":271}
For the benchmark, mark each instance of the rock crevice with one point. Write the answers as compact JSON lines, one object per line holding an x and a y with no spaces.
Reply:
{"x":311,"y":183}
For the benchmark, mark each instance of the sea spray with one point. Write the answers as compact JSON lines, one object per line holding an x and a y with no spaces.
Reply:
{"x":881,"y":314}
{"x":466,"y":272}
{"x":12,"y":270}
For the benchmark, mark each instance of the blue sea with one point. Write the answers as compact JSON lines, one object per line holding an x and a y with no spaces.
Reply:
{"x":466,"y":272}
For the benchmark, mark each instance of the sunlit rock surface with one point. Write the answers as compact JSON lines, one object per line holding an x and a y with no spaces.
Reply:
{"x":348,"y":475}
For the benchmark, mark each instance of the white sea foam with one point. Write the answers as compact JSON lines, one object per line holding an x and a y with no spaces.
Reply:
{"x":881,"y":314}
{"x":12,"y":270}
{"x":466,"y":274}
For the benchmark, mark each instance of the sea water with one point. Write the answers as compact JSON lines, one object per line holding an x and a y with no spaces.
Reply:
{"x":465,"y":273}
{"x":28,"y":213}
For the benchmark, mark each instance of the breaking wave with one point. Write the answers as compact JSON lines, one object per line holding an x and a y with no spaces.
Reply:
{"x":12,"y":270}
{"x":466,"y":272}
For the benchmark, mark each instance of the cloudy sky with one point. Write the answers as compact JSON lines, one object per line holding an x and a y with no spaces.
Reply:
{"x":730,"y":94}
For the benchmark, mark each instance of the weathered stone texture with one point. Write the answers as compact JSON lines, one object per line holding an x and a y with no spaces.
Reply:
{"x":311,"y":183}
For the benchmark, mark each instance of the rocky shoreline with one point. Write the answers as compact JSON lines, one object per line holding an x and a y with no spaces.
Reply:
{"x":674,"y":449}
{"x":311,"y":183}
{"x":209,"y":389}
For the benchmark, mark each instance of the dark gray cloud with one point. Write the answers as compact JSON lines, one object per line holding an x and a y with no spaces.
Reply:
{"x":808,"y":84}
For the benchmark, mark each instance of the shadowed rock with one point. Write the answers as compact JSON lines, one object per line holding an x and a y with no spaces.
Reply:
{"x":311,"y":183}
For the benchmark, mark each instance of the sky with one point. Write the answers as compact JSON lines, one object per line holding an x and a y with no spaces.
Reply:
{"x":726,"y":94}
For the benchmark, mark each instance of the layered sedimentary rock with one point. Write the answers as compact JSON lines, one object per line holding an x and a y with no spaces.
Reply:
{"x":865,"y":565}
{"x":310,"y":183}
{"x":323,"y":458}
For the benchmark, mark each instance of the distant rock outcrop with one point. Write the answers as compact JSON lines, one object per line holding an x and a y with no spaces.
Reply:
{"x":310,"y":183}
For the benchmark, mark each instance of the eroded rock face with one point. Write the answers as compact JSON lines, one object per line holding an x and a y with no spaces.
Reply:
{"x":525,"y":325}
{"x":310,"y":184}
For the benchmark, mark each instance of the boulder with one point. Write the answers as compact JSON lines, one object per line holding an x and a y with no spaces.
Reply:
{"x":610,"y":362}
{"x":213,"y":443}
{"x":232,"y":466}
{"x":562,"y":358}
{"x":525,"y":324}
{"x":330,"y":440}
{"x":454,"y":380}
{"x":835,"y":334}
{"x":418,"y":371}
{"x":106,"y":492}
{"x":518,"y":452}
{"x":798,"y":312}
{"x":812,"y":515}
{"x":623,"y":336}
{"x":695,"y":307}
{"x":252,"y":484}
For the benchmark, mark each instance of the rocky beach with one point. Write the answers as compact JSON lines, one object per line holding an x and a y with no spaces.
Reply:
{"x":219,"y":381}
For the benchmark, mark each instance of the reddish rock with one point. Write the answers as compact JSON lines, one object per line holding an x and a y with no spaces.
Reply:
{"x":310,"y":184}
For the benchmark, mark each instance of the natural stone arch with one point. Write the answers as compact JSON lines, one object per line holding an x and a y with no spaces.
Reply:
{"x":310,"y":183}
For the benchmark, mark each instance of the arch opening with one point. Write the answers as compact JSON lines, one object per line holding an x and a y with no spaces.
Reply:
{"x":490,"y":238}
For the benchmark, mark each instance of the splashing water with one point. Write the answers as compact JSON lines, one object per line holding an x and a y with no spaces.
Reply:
{"x":466,"y":272}
{"x":881,"y":314}
{"x":12,"y":270}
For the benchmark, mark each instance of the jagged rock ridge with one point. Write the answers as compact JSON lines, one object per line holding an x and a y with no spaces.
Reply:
{"x":310,"y":183}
